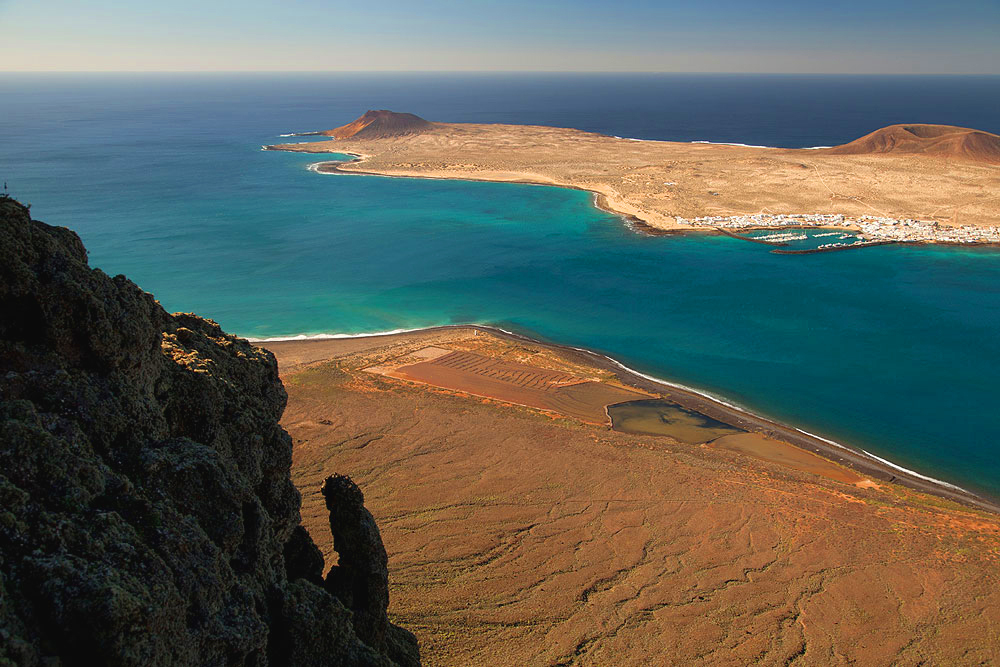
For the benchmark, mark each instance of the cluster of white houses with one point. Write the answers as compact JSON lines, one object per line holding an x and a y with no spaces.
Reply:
{"x":872,"y":228}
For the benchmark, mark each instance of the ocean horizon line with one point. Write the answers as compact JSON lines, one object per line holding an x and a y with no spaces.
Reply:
{"x":363,"y":72}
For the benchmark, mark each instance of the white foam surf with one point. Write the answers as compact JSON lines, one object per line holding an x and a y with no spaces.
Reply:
{"x":314,"y":167}
{"x":894,"y":466}
{"x":744,"y":409}
{"x":332,"y":336}
{"x":295,"y":143}
{"x":652,"y":378}
{"x":726,"y":143}
{"x":912,"y":473}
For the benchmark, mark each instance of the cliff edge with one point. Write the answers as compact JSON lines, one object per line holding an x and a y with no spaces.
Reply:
{"x":147,"y":516}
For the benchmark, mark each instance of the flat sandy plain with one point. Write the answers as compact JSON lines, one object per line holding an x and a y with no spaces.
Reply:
{"x":655,"y":181}
{"x":517,"y":535}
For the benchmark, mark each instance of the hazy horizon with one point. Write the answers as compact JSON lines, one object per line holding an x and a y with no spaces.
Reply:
{"x":500,"y":71}
{"x":726,"y":36}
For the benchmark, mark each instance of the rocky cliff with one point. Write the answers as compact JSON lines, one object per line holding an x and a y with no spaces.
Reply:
{"x":146,"y":511}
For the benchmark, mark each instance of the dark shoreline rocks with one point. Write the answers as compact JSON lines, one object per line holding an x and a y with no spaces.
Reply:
{"x":147,"y":516}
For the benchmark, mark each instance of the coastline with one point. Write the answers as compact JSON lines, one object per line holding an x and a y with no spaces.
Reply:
{"x":670,"y":185}
{"x":709,"y":405}
{"x":518,"y":520}
{"x":878,"y":231}
{"x":647,"y":228}
{"x":601,"y":199}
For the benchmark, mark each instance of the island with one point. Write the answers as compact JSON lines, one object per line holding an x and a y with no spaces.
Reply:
{"x":903,"y":183}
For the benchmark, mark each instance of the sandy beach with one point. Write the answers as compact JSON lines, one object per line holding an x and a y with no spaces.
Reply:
{"x":295,"y":355}
{"x":521,"y":534}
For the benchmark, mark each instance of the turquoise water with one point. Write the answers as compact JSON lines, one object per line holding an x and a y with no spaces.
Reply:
{"x":802,"y":239}
{"x":891,"y":348}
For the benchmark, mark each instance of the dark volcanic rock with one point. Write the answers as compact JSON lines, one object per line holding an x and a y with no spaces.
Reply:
{"x":146,"y":511}
{"x":361,"y":577}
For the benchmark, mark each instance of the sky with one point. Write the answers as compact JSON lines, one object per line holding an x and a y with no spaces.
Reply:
{"x":845,"y":36}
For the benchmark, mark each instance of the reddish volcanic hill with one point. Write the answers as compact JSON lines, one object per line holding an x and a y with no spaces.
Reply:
{"x":939,"y":140}
{"x":380,"y":124}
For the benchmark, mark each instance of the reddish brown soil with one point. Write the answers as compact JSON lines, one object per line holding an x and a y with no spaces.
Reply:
{"x":518,"y":538}
{"x":768,"y":449}
{"x":519,"y":383}
{"x":379,"y":125}
{"x":939,"y":140}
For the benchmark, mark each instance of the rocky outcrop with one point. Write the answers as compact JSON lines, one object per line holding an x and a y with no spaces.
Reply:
{"x":361,"y":577}
{"x":146,"y":511}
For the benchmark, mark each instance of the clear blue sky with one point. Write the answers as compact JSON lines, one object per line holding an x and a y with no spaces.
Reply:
{"x":873,"y":36}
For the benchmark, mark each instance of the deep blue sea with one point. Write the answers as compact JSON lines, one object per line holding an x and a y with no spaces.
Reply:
{"x":892,"y":349}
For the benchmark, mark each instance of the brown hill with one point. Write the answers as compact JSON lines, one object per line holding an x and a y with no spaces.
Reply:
{"x":939,"y":140}
{"x":380,"y":124}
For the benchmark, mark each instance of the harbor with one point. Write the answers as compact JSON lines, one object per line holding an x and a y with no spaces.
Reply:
{"x":869,"y":228}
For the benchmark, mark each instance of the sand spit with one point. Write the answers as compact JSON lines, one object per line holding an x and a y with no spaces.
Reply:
{"x":518,"y":536}
{"x":669,"y":186}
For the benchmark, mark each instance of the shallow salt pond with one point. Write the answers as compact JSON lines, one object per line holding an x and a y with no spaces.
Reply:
{"x":661,"y":417}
